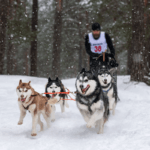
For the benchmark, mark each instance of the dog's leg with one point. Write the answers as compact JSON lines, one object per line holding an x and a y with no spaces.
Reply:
{"x":65,"y":102}
{"x":40,"y":122}
{"x":98,"y":114}
{"x":97,"y":124}
{"x":101,"y":125}
{"x":47,"y":119}
{"x":53,"y":113}
{"x":32,"y":109}
{"x":22,"y":114}
{"x":34,"y":124}
{"x":111,"y":102}
{"x":62,"y":106}
{"x":114,"y":106}
{"x":85,"y":115}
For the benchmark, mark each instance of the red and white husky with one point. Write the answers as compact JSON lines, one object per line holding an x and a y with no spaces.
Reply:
{"x":29,"y":99}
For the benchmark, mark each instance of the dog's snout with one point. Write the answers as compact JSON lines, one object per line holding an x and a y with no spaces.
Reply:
{"x":53,"y":91}
{"x":105,"y":80}
{"x":81,"y":86}
{"x":22,"y":96}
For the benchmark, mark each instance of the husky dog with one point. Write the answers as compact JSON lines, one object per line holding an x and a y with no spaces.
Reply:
{"x":54,"y":86}
{"x":109,"y":86}
{"x":29,"y":99}
{"x":91,"y":102}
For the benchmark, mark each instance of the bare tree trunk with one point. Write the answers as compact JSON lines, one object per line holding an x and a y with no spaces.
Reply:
{"x":10,"y":45}
{"x":87,"y":30}
{"x":3,"y":25}
{"x":57,"y":39}
{"x":34,"y":38}
{"x":80,"y":39}
{"x":10,"y":57}
{"x":129,"y":59}
{"x":147,"y":45}
{"x":137,"y":70}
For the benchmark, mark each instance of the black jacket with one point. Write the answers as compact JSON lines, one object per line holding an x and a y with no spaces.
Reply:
{"x":88,"y":46}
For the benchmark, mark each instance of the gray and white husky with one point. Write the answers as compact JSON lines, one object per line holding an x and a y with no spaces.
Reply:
{"x":91,"y":102}
{"x":109,"y":87}
{"x":54,"y":86}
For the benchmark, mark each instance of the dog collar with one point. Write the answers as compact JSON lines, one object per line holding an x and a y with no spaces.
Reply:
{"x":104,"y":87}
{"x":108,"y":89}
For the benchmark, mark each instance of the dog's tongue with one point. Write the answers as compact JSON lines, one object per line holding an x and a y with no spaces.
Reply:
{"x":53,"y":95}
{"x":23,"y":99}
{"x":85,"y":89}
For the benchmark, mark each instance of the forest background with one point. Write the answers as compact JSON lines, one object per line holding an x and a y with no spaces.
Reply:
{"x":45,"y":38}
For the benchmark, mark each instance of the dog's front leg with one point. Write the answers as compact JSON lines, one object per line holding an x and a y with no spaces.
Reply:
{"x":111,"y":103}
{"x":22,"y":114}
{"x":62,"y":105}
{"x":114,"y":106}
{"x":101,"y":125}
{"x":97,"y":115}
{"x":53,"y":113}
{"x":34,"y":114}
{"x":34,"y":124}
{"x":85,"y":115}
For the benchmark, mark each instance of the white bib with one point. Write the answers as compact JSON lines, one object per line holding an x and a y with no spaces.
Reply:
{"x":100,"y":45}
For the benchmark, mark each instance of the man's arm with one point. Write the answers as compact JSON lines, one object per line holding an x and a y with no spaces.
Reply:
{"x":109,"y":43}
{"x":88,"y":47}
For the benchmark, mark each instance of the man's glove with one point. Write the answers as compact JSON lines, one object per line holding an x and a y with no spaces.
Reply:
{"x":113,"y":63}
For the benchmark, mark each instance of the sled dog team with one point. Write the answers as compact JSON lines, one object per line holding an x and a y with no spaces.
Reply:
{"x":95,"y":97}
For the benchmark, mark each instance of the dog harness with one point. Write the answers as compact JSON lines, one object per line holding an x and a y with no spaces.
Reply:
{"x":98,"y":45}
{"x":107,"y":87}
{"x":86,"y":101}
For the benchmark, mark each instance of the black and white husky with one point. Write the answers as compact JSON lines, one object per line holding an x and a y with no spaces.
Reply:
{"x":109,"y":87}
{"x":90,"y":100}
{"x":54,"y":86}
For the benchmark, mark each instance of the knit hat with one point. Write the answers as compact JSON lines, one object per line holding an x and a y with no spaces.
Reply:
{"x":96,"y":26}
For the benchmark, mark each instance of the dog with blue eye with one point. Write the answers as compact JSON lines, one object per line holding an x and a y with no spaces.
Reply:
{"x":53,"y":87}
{"x":109,"y":86}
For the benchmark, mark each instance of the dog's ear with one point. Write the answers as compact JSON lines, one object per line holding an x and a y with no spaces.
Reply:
{"x":29,"y":82}
{"x":57,"y":79}
{"x":112,"y":71}
{"x":20,"y":81}
{"x":49,"y":79}
{"x":83,"y":70}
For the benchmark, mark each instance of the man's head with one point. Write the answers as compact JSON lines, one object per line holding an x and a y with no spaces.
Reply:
{"x":96,"y":29}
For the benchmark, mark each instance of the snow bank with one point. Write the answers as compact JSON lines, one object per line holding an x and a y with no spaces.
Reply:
{"x":129,"y":129}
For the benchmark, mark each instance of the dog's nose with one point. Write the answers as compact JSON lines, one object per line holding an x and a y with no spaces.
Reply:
{"x":105,"y":80}
{"x":53,"y":91}
{"x":22,"y":96}
{"x":81,"y":86}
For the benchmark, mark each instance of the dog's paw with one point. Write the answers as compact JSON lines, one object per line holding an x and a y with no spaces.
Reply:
{"x":33,"y":134}
{"x":52,"y":120}
{"x":20,"y":123}
{"x":100,"y":132}
{"x":89,"y":125}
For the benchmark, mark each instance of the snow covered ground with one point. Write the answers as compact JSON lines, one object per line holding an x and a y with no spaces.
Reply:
{"x":129,"y":129}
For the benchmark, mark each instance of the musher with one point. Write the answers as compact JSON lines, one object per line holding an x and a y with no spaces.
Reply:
{"x":96,"y":43}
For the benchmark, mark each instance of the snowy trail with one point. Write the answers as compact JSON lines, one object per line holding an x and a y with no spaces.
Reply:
{"x":129,"y":129}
